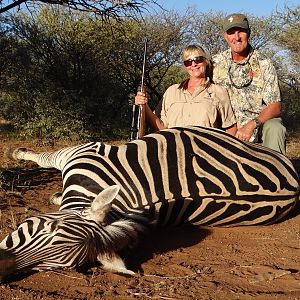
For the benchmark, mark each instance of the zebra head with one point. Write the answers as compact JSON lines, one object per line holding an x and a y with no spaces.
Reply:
{"x":69,"y":238}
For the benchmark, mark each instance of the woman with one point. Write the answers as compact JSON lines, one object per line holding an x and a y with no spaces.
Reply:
{"x":195,"y":101}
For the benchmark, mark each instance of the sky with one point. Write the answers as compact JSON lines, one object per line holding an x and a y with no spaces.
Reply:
{"x":255,"y":7}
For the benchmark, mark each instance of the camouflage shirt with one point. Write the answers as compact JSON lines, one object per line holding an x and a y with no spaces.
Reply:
{"x":252,"y":84}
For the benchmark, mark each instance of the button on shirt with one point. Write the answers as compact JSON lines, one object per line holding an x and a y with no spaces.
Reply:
{"x":208,"y":106}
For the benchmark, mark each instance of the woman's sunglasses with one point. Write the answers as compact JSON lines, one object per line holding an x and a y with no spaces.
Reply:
{"x":197,"y":60}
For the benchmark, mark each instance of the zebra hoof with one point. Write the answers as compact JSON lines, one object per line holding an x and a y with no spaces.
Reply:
{"x":12,"y":153}
{"x":56,"y":198}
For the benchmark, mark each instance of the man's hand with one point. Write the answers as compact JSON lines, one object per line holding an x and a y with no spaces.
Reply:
{"x":244,"y":133}
{"x":273,"y":110}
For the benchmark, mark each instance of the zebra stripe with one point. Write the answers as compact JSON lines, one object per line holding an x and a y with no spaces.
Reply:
{"x":110,"y":193}
{"x":176,"y":164}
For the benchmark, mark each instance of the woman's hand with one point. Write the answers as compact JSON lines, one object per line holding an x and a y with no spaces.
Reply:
{"x":141,"y":98}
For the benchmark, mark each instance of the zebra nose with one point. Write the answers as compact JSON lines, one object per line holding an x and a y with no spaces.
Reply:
{"x":7,"y":264}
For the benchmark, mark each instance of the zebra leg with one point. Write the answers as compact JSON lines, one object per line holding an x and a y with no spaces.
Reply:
{"x":56,"y":159}
{"x":114,"y":263}
{"x":44,"y":159}
{"x":14,"y":153}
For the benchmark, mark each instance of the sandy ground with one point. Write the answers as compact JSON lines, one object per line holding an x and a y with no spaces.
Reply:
{"x":180,"y":263}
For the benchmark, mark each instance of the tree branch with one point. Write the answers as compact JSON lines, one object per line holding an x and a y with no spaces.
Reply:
{"x":104,"y":8}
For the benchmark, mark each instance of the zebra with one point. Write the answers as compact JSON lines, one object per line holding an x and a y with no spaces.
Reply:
{"x":113,"y":194}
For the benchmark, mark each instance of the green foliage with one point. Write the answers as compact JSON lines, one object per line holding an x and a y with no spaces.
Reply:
{"x":52,"y":120}
{"x":77,"y":73}
{"x":288,"y":23}
{"x":66,"y":88}
{"x":288,"y":65}
{"x":69,"y":75}
{"x":42,"y":117}
{"x":291,"y":103}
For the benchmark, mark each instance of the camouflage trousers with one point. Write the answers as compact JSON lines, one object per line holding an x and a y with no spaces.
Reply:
{"x":273,"y":135}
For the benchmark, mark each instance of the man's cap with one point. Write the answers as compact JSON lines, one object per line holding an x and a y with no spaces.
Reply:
{"x":235,"y":20}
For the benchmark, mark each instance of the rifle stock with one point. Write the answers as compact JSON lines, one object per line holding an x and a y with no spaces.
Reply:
{"x":142,"y":121}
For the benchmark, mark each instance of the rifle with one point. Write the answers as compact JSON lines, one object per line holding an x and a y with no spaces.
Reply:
{"x":138,"y":123}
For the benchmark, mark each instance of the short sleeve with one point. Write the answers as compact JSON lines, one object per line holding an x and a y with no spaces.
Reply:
{"x":225,"y":109}
{"x":271,"y":91}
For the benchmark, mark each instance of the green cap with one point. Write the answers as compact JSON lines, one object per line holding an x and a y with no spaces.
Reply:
{"x":235,"y":20}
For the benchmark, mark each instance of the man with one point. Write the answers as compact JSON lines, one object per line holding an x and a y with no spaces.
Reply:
{"x":252,"y":84}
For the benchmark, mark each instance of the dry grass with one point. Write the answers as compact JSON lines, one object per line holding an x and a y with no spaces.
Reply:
{"x":293,"y":146}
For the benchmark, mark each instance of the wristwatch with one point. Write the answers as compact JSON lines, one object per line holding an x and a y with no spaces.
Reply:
{"x":257,"y":122}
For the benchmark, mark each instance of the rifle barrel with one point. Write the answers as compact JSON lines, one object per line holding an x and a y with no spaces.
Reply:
{"x":138,"y":111}
{"x":141,"y":114}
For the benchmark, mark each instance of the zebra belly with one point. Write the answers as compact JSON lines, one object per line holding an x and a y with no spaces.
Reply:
{"x":222,"y":212}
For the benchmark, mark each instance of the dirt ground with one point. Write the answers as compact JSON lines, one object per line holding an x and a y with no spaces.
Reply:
{"x":261,"y":262}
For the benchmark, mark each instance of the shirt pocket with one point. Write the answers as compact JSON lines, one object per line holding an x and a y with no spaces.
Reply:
{"x":201,"y":112}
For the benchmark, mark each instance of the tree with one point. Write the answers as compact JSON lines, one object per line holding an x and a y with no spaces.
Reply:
{"x":83,"y":69}
{"x":66,"y":73}
{"x":167,"y":36}
{"x":288,"y":38}
{"x":288,"y":31}
{"x":103,"y":8}
{"x":56,"y":89}
{"x":288,"y":41}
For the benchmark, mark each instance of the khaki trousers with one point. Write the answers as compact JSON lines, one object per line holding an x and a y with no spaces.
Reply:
{"x":274,"y":135}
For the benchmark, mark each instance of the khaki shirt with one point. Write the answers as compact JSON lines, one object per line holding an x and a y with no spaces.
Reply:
{"x":208,"y":106}
{"x":248,"y":96}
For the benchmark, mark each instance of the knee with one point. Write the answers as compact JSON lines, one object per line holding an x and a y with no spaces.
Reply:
{"x":274,"y":127}
{"x":274,"y":135}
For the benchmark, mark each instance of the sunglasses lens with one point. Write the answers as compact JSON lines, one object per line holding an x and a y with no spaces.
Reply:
{"x":188,"y":62}
{"x":197,"y":60}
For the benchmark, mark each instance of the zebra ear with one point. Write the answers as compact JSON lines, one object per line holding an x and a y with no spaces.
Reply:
{"x":102,"y":203}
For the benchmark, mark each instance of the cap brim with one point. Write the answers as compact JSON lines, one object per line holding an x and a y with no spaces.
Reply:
{"x":235,"y":25}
